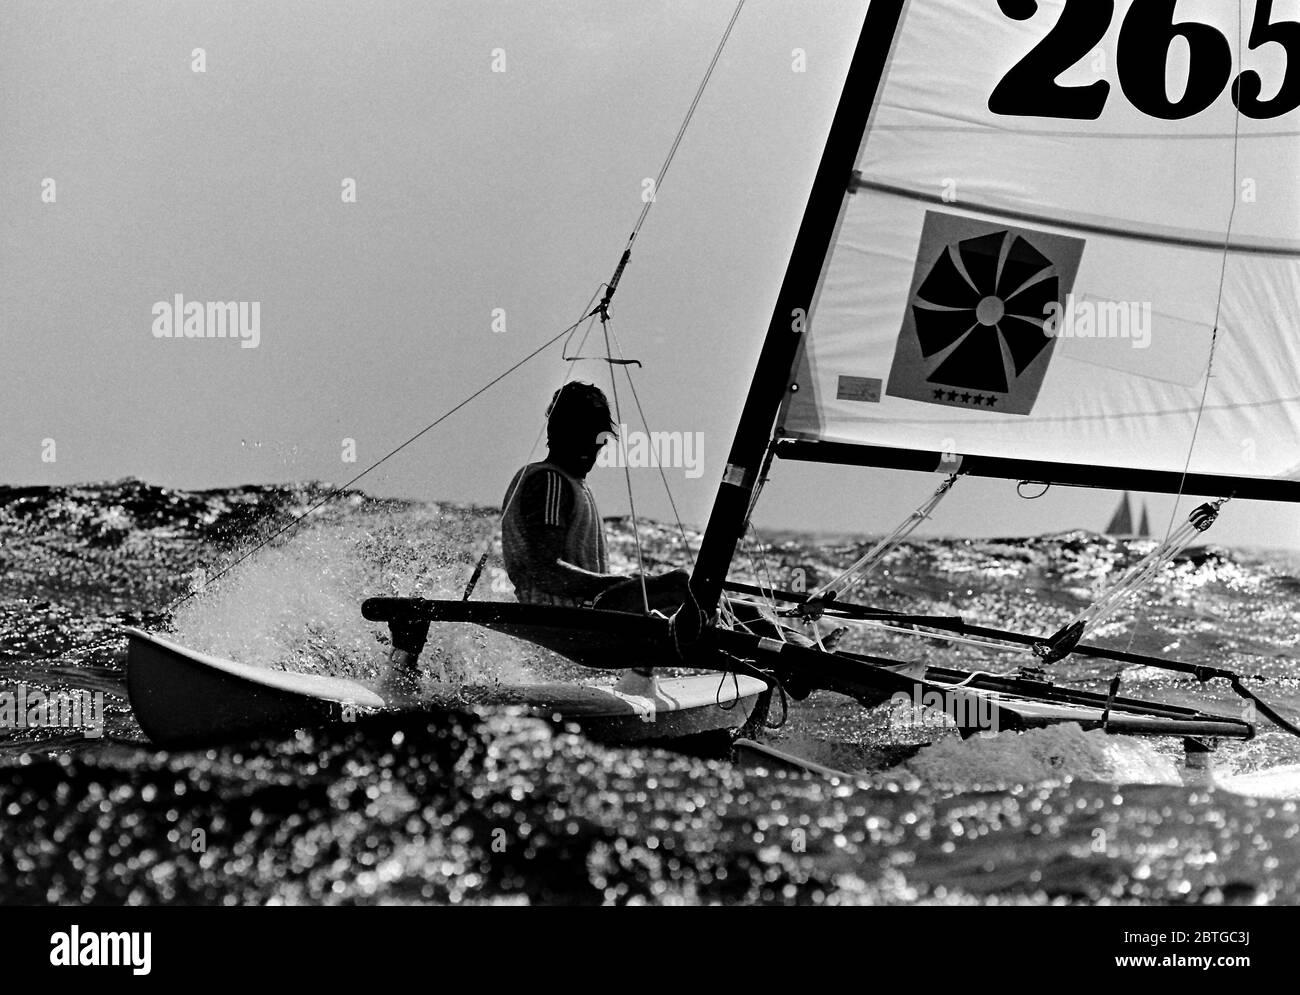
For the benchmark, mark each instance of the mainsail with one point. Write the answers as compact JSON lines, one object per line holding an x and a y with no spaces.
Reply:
{"x":1069,"y":251}
{"x":1056,"y":241}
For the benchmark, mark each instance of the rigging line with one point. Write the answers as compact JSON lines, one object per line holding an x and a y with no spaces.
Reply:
{"x":607,"y":322}
{"x":1218,"y":304}
{"x":1218,"y":313}
{"x":335,"y":492}
{"x":760,"y":569}
{"x":1020,"y":492}
{"x":858,"y":571}
{"x":764,"y":473}
{"x":1265,"y":707}
{"x":602,"y":311}
{"x":729,"y":619}
{"x":919,"y":632}
{"x":645,"y":424}
{"x":1133,"y":580}
{"x":748,"y":527}
{"x":969,"y":677}
{"x":766,"y":610}
{"x":603,"y":307}
{"x":627,"y":470}
{"x":590,"y":314}
{"x":681,"y":132}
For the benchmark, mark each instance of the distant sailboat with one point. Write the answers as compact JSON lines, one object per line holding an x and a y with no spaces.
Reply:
{"x":1121,"y":523}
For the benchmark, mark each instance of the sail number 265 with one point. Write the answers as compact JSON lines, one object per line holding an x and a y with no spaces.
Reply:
{"x":1030,"y":88}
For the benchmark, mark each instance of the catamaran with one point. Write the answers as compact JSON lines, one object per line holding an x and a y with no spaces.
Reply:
{"x":990,"y":166}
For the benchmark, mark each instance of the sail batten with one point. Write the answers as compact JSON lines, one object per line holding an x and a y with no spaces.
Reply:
{"x":1149,"y":233}
{"x":1095,"y":266}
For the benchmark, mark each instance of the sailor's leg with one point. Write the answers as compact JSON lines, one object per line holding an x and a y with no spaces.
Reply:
{"x":408,"y":640}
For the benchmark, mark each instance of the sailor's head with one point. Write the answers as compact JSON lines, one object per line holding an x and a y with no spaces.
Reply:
{"x":578,"y":423}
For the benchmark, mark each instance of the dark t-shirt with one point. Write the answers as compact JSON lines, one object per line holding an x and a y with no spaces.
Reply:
{"x":552,"y":537}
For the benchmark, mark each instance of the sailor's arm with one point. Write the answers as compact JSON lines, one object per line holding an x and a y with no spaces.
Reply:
{"x":546,"y":505}
{"x":548,"y":570}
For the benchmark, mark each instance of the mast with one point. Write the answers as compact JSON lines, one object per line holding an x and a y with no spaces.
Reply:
{"x":784,"y":335}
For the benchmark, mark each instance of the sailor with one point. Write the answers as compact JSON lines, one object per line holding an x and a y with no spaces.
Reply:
{"x":552,"y":536}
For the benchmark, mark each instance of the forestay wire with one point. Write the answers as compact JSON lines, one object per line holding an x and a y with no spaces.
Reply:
{"x":603,"y":307}
{"x":690,"y":112}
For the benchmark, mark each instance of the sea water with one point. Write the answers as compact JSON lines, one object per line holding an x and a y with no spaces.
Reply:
{"x":497,"y":807}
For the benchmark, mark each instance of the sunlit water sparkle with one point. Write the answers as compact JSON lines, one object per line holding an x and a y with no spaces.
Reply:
{"x":452,"y":807}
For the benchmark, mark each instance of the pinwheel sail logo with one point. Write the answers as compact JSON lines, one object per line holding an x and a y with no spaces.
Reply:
{"x":974,"y":334}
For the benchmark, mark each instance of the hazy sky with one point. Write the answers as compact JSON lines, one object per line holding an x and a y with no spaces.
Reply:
{"x":475,"y":191}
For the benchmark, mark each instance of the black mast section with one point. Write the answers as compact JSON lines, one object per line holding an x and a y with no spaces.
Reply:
{"x":785,"y":333}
